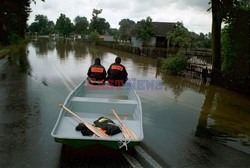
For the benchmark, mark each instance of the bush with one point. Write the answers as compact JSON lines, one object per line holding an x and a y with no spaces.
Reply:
{"x":94,"y":37}
{"x":175,"y":65}
{"x":14,"y":38}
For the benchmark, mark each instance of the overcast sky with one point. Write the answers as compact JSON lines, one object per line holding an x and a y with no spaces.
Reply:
{"x":193,"y":13}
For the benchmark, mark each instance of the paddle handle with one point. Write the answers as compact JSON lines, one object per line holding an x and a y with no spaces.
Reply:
{"x":124,"y":131}
{"x":124,"y":127}
{"x":68,"y":110}
{"x":120,"y":121}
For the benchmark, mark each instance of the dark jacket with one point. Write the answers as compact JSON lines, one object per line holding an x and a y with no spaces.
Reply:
{"x":97,"y":72}
{"x":117,"y":74}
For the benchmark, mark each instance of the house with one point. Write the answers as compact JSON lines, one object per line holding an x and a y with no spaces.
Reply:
{"x":161,"y":29}
{"x":106,"y":37}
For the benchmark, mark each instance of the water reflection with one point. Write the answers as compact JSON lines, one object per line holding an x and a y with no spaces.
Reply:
{"x":80,"y":50}
{"x":19,"y":58}
{"x":225,"y":115}
{"x":95,"y":52}
{"x":20,"y":113}
{"x":176,"y":84}
{"x":43,"y":46}
{"x":64,"y":48}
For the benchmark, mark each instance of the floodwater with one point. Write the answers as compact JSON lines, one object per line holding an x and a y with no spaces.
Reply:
{"x":186,"y":123}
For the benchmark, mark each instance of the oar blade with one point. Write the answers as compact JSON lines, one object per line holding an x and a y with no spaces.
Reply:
{"x":97,"y":131}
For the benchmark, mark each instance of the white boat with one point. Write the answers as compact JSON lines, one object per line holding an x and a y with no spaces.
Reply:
{"x":91,"y":102}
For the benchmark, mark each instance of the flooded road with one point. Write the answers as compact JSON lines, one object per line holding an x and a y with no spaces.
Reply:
{"x":186,"y":123}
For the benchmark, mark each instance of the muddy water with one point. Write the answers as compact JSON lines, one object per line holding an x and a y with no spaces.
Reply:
{"x":185,"y":122}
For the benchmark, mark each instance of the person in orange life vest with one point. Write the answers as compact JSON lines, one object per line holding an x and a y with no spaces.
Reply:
{"x":117,"y":74}
{"x":97,"y":73}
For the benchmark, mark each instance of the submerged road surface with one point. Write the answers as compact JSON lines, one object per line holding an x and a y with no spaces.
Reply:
{"x":186,"y":123}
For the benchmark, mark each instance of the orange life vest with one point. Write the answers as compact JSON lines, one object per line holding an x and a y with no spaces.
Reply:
{"x":117,"y":67}
{"x":97,"y":70}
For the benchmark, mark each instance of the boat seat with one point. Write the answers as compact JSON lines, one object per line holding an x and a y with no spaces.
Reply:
{"x":103,"y":100}
{"x":99,"y":105}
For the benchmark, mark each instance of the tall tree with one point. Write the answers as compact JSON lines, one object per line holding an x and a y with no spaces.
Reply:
{"x":81,"y":25}
{"x":42,"y":25}
{"x":200,"y":40}
{"x":98,"y":24}
{"x":144,"y":30}
{"x":64,"y":25}
{"x":114,"y":32}
{"x":94,"y":20}
{"x":180,"y":37}
{"x":34,"y":28}
{"x":126,"y":28}
{"x":221,"y":11}
{"x":51,"y":27}
{"x":235,"y":43}
{"x":13,"y":17}
{"x":204,"y":40}
{"x":217,"y":16}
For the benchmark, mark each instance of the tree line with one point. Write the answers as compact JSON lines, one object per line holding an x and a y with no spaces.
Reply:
{"x":142,"y":30}
{"x":65,"y":27}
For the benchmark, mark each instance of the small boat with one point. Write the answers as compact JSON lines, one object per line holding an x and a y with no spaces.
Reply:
{"x":90,"y":102}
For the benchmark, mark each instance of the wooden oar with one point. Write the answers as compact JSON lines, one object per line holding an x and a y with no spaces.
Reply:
{"x":128,"y":133}
{"x":89,"y":126}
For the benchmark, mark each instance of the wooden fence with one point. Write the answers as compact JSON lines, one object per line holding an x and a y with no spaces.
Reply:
{"x":153,"y":51}
{"x":233,"y":81}
{"x":144,"y":51}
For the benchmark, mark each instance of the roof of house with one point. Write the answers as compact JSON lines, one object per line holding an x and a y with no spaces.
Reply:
{"x":162,"y":28}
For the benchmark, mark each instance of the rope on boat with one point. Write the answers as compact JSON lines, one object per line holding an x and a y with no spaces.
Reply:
{"x":123,"y":143}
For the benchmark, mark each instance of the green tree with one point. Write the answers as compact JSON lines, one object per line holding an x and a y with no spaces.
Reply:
{"x":114,"y":32}
{"x":13,"y":17}
{"x":34,"y":28}
{"x":180,"y":37}
{"x":42,"y":25}
{"x":101,"y":26}
{"x":64,"y":25}
{"x":200,"y":40}
{"x":95,"y":13}
{"x":195,"y":42}
{"x":81,"y":25}
{"x":222,"y":10}
{"x":94,"y":37}
{"x":42,"y":21}
{"x":51,"y":27}
{"x":98,"y":24}
{"x":176,"y":65}
{"x":235,"y":44}
{"x":144,"y":30}
{"x":216,"y":33}
{"x":126,"y":28}
{"x":205,"y":40}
